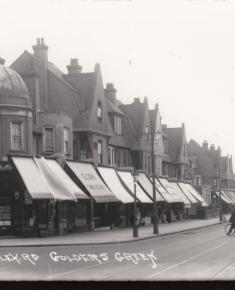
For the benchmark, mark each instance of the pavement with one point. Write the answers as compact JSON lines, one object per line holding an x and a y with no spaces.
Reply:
{"x":109,"y":236}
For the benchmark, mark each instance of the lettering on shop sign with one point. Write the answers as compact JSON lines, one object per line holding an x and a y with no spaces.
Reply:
{"x":135,"y":258}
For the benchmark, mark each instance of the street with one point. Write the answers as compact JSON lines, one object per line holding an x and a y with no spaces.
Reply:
{"x":202,"y":254}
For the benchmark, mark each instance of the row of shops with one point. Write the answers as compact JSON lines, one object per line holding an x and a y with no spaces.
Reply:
{"x":39,"y":197}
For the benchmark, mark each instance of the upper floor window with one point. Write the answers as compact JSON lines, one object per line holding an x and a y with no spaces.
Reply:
{"x":165,"y":142}
{"x":111,"y":155}
{"x":99,"y":151}
{"x":118,"y":124}
{"x":99,"y":111}
{"x":17,"y":133}
{"x":48,"y":140}
{"x":66,"y":140}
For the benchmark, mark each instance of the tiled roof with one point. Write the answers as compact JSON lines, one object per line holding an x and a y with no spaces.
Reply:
{"x":175,"y":139}
{"x":135,"y":111}
{"x":85,"y":83}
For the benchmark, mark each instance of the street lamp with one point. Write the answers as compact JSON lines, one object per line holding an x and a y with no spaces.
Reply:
{"x":135,"y":225}
{"x":155,"y":219}
{"x":220,"y":199}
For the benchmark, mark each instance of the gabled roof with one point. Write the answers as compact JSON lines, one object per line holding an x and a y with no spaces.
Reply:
{"x":175,"y":142}
{"x":136,"y":112}
{"x":127,"y":138}
{"x":85,"y":83}
{"x":204,"y":163}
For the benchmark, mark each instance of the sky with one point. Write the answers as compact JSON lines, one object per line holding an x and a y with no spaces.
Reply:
{"x":178,"y":53}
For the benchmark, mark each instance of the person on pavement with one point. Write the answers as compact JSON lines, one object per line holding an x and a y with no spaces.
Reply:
{"x":232,"y":221}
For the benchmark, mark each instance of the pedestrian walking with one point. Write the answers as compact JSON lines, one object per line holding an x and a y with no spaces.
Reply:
{"x":232,"y":221}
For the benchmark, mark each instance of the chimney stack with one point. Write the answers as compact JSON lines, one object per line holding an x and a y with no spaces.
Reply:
{"x":136,"y":100}
{"x":110,"y":92}
{"x":74,"y":67}
{"x":41,"y":65}
{"x":212,"y":147}
{"x":205,"y":145}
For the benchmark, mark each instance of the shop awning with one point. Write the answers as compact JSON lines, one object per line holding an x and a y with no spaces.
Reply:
{"x":66,"y":185}
{"x":185,"y":190}
{"x":33,"y":179}
{"x":147,"y":185}
{"x":228,"y":196}
{"x":180,"y":193}
{"x":163,"y":192}
{"x":231,"y":194}
{"x":127,"y":179}
{"x":90,"y":179}
{"x":196,"y":194}
{"x":170,"y":190}
{"x":112,"y":180}
{"x":224,"y":197}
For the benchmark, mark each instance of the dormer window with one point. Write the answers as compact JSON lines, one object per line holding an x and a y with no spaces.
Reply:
{"x":99,"y":111}
{"x":118,"y":125}
{"x":165,"y":142}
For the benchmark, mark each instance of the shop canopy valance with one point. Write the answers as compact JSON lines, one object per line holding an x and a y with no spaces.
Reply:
{"x":147,"y":185}
{"x":45,"y":179}
{"x":110,"y":177}
{"x":127,"y":179}
{"x":87,"y":175}
{"x":176,"y":197}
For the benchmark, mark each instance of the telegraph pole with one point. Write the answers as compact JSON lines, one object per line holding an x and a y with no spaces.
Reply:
{"x":155,"y":218}
{"x":135,"y":226}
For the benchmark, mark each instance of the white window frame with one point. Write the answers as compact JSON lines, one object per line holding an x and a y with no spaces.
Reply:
{"x":100,"y":151}
{"x":118,"y":124}
{"x":66,"y":148}
{"x":99,"y":111}
{"x":44,"y":141}
{"x":21,"y":124}
{"x":111,"y":155}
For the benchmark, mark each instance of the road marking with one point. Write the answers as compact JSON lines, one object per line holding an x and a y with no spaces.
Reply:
{"x":185,"y":261}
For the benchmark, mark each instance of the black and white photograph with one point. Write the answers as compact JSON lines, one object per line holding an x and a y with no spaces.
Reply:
{"x":117,"y":140}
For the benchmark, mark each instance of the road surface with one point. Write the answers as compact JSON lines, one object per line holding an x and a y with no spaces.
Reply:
{"x":203,"y":254}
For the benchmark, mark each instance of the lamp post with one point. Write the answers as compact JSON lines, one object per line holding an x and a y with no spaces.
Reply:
{"x":135,"y":226}
{"x":220,"y":199}
{"x":155,"y":219}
